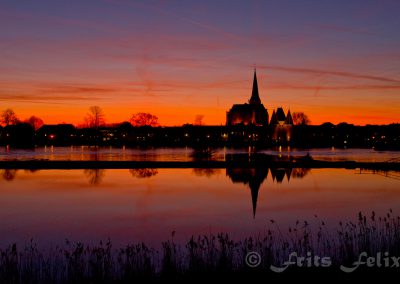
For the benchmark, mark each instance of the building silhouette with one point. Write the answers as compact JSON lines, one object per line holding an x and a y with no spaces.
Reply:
{"x":251,"y":113}
{"x":254,"y":113}
{"x":281,"y":126}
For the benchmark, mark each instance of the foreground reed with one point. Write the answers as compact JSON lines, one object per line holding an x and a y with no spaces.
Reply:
{"x":201,"y":255}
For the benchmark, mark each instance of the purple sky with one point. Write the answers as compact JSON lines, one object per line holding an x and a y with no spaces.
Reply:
{"x":335,"y":60}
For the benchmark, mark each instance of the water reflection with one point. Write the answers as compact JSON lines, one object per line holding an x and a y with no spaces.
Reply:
{"x":95,"y":175}
{"x":254,"y":177}
{"x":85,"y":153}
{"x":206,"y":172}
{"x":300,"y":173}
{"x":8,"y":174}
{"x":148,"y":204}
{"x":95,"y":153}
{"x":143,"y":173}
{"x":387,"y":174}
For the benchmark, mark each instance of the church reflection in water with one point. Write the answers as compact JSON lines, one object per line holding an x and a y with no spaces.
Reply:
{"x":254,"y":177}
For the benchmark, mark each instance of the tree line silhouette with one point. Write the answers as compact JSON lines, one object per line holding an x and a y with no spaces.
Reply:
{"x":95,"y":118}
{"x":144,"y":130}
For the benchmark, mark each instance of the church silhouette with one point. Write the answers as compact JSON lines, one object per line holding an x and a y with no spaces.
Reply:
{"x":254,"y":113}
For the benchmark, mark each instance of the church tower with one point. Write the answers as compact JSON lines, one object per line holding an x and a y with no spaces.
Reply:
{"x":255,"y":98}
{"x":251,"y":113}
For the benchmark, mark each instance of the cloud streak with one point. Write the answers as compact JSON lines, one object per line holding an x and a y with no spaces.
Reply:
{"x":74,"y":89}
{"x":329,"y":73}
{"x":341,"y":29}
{"x":318,"y":88}
{"x":47,"y":98}
{"x":52,"y":92}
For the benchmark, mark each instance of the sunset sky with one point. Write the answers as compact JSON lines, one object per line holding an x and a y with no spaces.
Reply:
{"x":334,"y":60}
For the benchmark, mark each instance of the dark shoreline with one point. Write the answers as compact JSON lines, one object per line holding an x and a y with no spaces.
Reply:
{"x":46,"y":164}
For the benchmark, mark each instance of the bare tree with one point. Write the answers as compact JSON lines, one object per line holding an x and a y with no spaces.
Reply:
{"x":144,"y":119}
{"x":95,"y":117}
{"x":35,"y":121}
{"x":300,"y":118}
{"x":198,"y":119}
{"x":8,"y":117}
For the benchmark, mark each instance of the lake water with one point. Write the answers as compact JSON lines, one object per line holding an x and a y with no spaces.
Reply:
{"x":149,"y":204}
{"x":84,"y":153}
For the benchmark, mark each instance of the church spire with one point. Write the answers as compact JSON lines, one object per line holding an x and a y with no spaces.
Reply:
{"x":255,"y":98}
